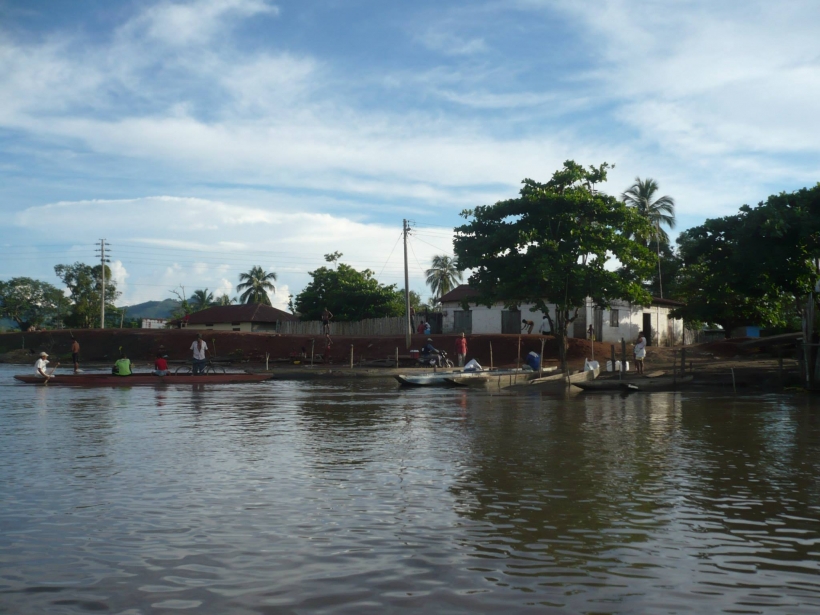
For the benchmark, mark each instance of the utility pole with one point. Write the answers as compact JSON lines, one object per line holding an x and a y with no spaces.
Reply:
{"x":103,"y":261}
{"x":408,"y":333}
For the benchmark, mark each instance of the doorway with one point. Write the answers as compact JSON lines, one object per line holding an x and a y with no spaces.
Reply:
{"x":647,"y":327}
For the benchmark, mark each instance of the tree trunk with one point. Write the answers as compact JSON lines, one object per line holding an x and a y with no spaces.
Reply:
{"x":562,"y":322}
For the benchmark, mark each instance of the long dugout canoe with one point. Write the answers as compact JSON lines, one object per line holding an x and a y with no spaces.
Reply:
{"x":663,"y":383}
{"x":109,"y":380}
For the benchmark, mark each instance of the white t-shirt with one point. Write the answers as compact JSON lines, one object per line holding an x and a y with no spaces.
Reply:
{"x":640,"y":348}
{"x":40,"y":365}
{"x":199,"y":353}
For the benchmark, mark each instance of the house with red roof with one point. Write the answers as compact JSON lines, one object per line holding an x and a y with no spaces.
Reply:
{"x":247,"y":317}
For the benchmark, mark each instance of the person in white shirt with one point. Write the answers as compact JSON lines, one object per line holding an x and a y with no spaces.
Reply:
{"x":640,"y":352}
{"x":41,"y":365}
{"x":199,"y":347}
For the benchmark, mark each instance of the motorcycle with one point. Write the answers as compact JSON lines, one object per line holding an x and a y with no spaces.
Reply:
{"x":436,"y":360}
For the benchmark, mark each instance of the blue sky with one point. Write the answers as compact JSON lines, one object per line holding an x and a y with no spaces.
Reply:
{"x":203,"y":137}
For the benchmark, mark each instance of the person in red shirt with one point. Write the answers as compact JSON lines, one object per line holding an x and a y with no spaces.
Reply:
{"x":420,"y":328}
{"x":461,"y":349}
{"x":160,"y":366}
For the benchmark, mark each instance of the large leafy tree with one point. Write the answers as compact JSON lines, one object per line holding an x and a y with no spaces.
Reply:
{"x":751,"y":268}
{"x":225,"y":299}
{"x":84,"y":284}
{"x":31,"y":302}
{"x":255,"y":285}
{"x":349,"y":294}
{"x":443,"y":275}
{"x":552,"y":244}
{"x":201,"y":299}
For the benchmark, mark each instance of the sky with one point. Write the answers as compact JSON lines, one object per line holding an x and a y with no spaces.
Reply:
{"x":203,"y":137}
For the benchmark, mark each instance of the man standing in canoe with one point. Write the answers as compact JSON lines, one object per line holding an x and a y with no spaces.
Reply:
{"x":199,"y":347}
{"x":75,"y":354}
{"x":41,"y":365}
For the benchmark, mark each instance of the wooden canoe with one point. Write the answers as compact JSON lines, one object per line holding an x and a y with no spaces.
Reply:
{"x":630,"y":385}
{"x":109,"y":380}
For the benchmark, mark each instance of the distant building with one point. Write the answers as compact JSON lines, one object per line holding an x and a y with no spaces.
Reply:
{"x":153,"y":323}
{"x":621,"y":320}
{"x":247,"y":317}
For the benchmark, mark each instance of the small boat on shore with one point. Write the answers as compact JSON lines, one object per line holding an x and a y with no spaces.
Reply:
{"x":635,"y":385}
{"x":109,"y":380}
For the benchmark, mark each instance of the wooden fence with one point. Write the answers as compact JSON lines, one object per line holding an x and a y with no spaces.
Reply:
{"x":396,"y":325}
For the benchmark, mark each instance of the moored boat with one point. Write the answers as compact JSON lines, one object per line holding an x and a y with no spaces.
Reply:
{"x":463,"y":378}
{"x":630,"y":385}
{"x":109,"y":380}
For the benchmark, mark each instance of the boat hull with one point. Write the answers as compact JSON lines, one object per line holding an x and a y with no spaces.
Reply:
{"x":636,"y":385}
{"x":109,"y":380}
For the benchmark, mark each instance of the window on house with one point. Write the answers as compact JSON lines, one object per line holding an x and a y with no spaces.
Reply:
{"x":614,"y":318}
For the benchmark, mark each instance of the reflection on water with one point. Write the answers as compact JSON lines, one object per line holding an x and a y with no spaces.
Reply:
{"x":361,"y":497}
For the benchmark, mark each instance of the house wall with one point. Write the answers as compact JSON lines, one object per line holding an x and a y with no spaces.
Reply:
{"x":223,"y":326}
{"x":665,"y":330}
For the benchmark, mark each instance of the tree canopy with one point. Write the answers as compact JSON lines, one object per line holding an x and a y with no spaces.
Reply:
{"x":84,"y":283}
{"x":256,"y":284}
{"x":201,"y":299}
{"x":349,"y":294}
{"x":750,"y":268}
{"x":30,"y":302}
{"x":443,"y":275}
{"x":552,"y":244}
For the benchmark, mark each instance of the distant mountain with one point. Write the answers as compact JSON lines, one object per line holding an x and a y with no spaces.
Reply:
{"x":152,"y":309}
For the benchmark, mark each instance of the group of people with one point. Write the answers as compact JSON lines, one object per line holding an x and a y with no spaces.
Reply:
{"x":123,"y":366}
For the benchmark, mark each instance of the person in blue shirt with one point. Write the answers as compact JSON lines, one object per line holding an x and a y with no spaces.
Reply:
{"x":428,"y":351}
{"x":533,"y":360}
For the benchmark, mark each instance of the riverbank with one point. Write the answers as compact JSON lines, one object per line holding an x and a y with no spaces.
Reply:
{"x":717,"y":364}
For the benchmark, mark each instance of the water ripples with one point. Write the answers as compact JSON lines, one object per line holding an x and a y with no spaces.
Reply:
{"x":360,"y":497}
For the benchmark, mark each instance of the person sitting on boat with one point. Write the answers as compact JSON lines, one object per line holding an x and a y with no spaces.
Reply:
{"x":533,"y":360}
{"x":429,"y":354}
{"x":122,"y":367}
{"x":41,"y":364}
{"x":640,"y":352}
{"x":160,"y":365}
{"x":199,"y":347}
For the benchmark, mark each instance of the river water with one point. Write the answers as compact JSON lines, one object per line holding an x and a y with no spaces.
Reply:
{"x":360,"y":497}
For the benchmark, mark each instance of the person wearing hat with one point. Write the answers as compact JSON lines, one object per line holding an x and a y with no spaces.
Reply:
{"x":199,"y":347}
{"x":41,"y":364}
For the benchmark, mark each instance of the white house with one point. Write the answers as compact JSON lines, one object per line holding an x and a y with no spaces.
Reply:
{"x":246,"y":317}
{"x":622,"y":320}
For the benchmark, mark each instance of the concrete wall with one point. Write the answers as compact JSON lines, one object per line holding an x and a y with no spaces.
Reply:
{"x":665,"y":330}
{"x":223,"y":326}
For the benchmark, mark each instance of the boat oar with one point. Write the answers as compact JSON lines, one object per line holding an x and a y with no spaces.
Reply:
{"x":51,"y":373}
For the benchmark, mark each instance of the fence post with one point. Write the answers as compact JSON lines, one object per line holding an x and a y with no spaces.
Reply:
{"x":312,"y":344}
{"x":351,"y":356}
{"x":491,"y":355}
{"x":397,"y":357}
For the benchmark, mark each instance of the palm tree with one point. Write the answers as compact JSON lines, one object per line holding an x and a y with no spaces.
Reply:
{"x":641,"y":196}
{"x":256,"y":284}
{"x":200,"y":299}
{"x":224,"y":299}
{"x":660,"y":211}
{"x":443,"y":275}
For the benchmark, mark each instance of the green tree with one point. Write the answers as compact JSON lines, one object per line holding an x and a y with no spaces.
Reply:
{"x":659,"y":211}
{"x":31,"y":302}
{"x":350,"y":294}
{"x":84,"y":284}
{"x":443,"y":275}
{"x":201,"y":299}
{"x":552,"y":245}
{"x":256,"y":284}
{"x":752,"y":267}
{"x":225,"y":299}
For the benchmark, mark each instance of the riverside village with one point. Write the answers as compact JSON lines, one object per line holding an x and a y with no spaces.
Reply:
{"x":432,"y":307}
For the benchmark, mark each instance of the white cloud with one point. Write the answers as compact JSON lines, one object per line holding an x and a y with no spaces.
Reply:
{"x":441,"y":39}
{"x":198,"y":243}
